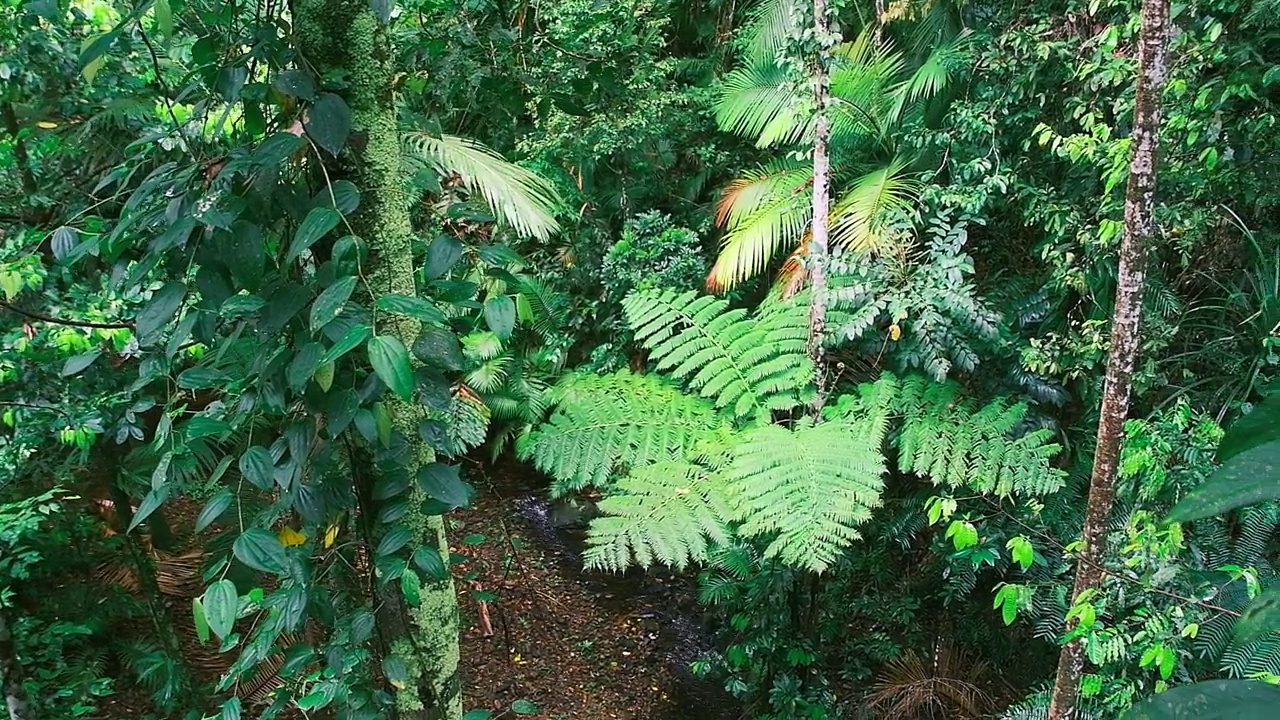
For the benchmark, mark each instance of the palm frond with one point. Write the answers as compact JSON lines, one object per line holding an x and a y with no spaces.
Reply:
{"x":765,"y":34}
{"x":517,"y":196}
{"x":761,"y":103}
{"x":763,"y":212}
{"x":864,"y":215}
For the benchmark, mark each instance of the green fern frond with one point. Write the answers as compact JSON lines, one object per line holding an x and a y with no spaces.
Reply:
{"x":602,"y":424}
{"x":806,"y":490}
{"x":956,"y":443}
{"x":670,"y":513}
{"x":517,"y":196}
{"x":747,"y":366}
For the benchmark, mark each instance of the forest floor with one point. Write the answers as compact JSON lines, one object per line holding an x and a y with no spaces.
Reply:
{"x":541,"y":636}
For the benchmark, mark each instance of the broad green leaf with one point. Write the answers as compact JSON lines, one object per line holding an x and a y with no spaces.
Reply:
{"x":1249,"y":477}
{"x":354,"y":338}
{"x":315,"y":700}
{"x":1261,"y":618}
{"x":524,"y":707}
{"x":201,"y":620}
{"x":443,"y":253}
{"x":443,"y":482}
{"x":295,"y":83}
{"x":303,"y":365}
{"x":221,"y":603}
{"x":314,"y":226}
{"x":201,"y":378}
{"x":1211,"y":700}
{"x":329,"y":305}
{"x":396,"y":538}
{"x":411,"y":588}
{"x":324,"y":375}
{"x":396,"y":671}
{"x":328,"y":123}
{"x":1258,"y":427}
{"x":390,"y":361}
{"x":152,"y":502}
{"x":415,"y":307}
{"x":478,"y":715}
{"x":231,"y":709}
{"x":213,"y":510}
{"x":76,"y":365}
{"x":164,"y":18}
{"x":429,"y":561}
{"x":257,"y":467}
{"x":343,"y":196}
{"x":261,"y":551}
{"x":158,"y":311}
{"x":500,"y":315}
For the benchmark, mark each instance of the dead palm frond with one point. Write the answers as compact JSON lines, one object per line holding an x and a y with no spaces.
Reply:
{"x":948,"y":685}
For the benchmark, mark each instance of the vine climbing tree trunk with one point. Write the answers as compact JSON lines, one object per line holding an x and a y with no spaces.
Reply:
{"x":819,"y":242}
{"x":1130,"y":283}
{"x":346,"y":39}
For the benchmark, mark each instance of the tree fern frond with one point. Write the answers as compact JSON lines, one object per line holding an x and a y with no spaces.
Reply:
{"x":669,"y":513}
{"x":605,"y":423}
{"x":806,"y":490}
{"x":517,"y":196}
{"x":748,"y":366}
{"x":956,"y":443}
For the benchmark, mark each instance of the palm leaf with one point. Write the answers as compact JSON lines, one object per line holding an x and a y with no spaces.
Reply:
{"x":517,"y":196}
{"x":762,"y":212}
{"x":760,"y":102}
{"x":765,"y":34}
{"x":864,"y":215}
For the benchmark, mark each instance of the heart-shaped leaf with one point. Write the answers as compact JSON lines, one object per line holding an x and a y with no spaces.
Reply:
{"x":390,"y":359}
{"x":328,"y":123}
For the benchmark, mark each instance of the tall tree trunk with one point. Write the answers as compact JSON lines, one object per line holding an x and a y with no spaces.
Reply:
{"x":1130,"y":282}
{"x":345,"y":36}
{"x":819,"y":242}
{"x":11,"y":675}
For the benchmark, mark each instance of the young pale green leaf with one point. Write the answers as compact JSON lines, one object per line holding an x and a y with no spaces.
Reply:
{"x":390,"y":359}
{"x":329,"y":305}
{"x":500,"y":315}
{"x":158,"y":311}
{"x":221,"y":605}
{"x":261,"y":551}
{"x":324,"y":375}
{"x":213,"y":509}
{"x":524,"y":707}
{"x":328,"y":123}
{"x":1250,"y":477}
{"x":201,"y":620}
{"x":415,"y":307}
{"x":318,"y":221}
{"x":257,"y":467}
{"x":411,"y":588}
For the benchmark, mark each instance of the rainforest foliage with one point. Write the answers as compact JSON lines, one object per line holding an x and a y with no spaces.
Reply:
{"x":994,"y":433}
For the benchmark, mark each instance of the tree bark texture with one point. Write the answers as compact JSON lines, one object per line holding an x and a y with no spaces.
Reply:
{"x":1130,"y":282}
{"x":346,"y":36}
{"x":11,"y":675}
{"x":819,"y":242}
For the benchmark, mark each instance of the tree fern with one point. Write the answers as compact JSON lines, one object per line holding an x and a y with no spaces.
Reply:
{"x":747,"y":366}
{"x":603,"y":424}
{"x":957,"y":443}
{"x":805,"y":490}
{"x":670,"y":512}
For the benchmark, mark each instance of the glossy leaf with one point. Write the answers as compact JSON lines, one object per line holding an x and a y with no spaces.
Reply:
{"x":221,"y":603}
{"x":1248,"y":478}
{"x":213,"y":509}
{"x":500,"y":315}
{"x":328,"y":123}
{"x":390,"y":360}
{"x":329,"y":305}
{"x":444,"y":483}
{"x":1211,"y":700}
{"x":261,"y":551}
{"x":257,"y":466}
{"x":318,"y":222}
{"x":158,"y":311}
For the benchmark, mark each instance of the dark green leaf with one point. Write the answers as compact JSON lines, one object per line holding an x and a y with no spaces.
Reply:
{"x":1211,"y":700}
{"x":415,"y":307}
{"x":429,"y":562}
{"x":390,"y":361}
{"x":478,"y":715}
{"x":524,"y":707}
{"x":396,"y":538}
{"x":328,"y":123}
{"x":475,"y":539}
{"x":149,"y":505}
{"x":231,"y":709}
{"x":391,"y":485}
{"x":213,"y":509}
{"x":314,"y":700}
{"x":77,"y":364}
{"x":440,"y":347}
{"x":328,"y":306}
{"x":342,"y":195}
{"x":484,"y":596}
{"x":257,"y":467}
{"x":1258,"y":427}
{"x":395,"y":670}
{"x":353,"y":339}
{"x":221,"y":602}
{"x":443,"y":253}
{"x":1250,"y":477}
{"x":304,"y":365}
{"x":201,"y":378}
{"x":443,"y":482}
{"x":158,"y":311}
{"x":261,"y":551}
{"x":411,"y":588}
{"x":203,"y":426}
{"x":64,"y":241}
{"x":295,"y":83}
{"x":318,"y":221}
{"x":500,"y":315}
{"x":1261,"y":618}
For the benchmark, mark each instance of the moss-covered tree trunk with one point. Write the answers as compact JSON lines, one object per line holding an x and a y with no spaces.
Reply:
{"x":346,"y":43}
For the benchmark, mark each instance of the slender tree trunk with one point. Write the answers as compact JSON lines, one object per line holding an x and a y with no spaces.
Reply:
{"x":346,"y":36}
{"x":1130,"y":281}
{"x":819,"y":242}
{"x":11,"y":675}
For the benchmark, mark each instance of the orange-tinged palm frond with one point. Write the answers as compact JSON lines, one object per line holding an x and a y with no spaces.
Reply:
{"x":763,"y":212}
